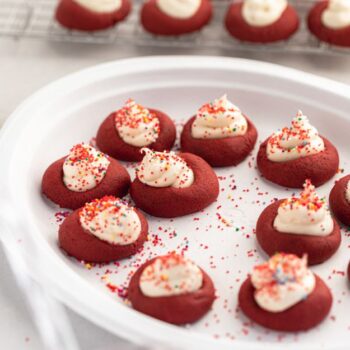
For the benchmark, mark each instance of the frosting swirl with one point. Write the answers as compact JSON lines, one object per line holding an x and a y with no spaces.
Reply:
{"x":218,"y":120}
{"x":283,"y":281}
{"x":337,"y":14}
{"x":136,"y":125}
{"x":170,"y":275}
{"x":111,"y":220}
{"x":307,"y":214}
{"x":101,"y":6}
{"x":259,"y":13}
{"x":179,"y":8}
{"x":84,"y":168}
{"x":164,"y":169}
{"x":300,"y":140}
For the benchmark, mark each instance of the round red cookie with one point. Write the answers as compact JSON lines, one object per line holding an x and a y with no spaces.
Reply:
{"x":157,"y":22}
{"x":338,"y":202}
{"x":339,"y":37}
{"x":319,"y":168}
{"x":282,"y":29}
{"x":72,"y":15}
{"x":302,"y":316}
{"x":109,"y":141}
{"x":317,"y":248}
{"x":83,"y":245}
{"x":116,"y":182}
{"x":170,"y":202}
{"x":219,"y":152}
{"x":177,"y":309}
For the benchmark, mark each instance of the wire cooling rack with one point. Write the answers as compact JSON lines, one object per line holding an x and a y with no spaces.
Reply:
{"x":35,"y":18}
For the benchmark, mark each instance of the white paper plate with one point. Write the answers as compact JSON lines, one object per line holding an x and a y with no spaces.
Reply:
{"x":220,"y":239}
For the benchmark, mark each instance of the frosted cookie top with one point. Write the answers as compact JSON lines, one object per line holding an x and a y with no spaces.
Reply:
{"x":84,"y":168}
{"x":136,"y":125}
{"x":111,"y":219}
{"x":181,"y":9}
{"x":164,"y":169}
{"x":260,"y":13}
{"x":170,"y":275}
{"x":219,"y":119}
{"x":283,"y":281}
{"x":305,"y":215}
{"x":101,"y":6}
{"x":299,"y":140}
{"x":337,"y":14}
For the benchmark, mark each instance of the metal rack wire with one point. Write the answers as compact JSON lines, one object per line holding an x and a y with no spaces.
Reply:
{"x":35,"y":18}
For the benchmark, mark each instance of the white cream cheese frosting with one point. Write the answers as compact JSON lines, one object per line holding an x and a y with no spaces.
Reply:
{"x":307,"y":214}
{"x":218,"y":120}
{"x":136,"y":125}
{"x":164,"y":169}
{"x":337,"y":14}
{"x":347,"y":192}
{"x":111,"y":220}
{"x":170,"y":275}
{"x":300,"y":140}
{"x":84,"y":168}
{"x":181,"y":9}
{"x":260,"y":13}
{"x":283,"y":281}
{"x":101,"y":6}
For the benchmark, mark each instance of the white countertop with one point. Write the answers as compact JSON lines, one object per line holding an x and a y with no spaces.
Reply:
{"x":28,"y":64}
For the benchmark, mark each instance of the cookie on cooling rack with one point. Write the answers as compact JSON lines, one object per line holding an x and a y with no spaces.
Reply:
{"x":85,"y":174}
{"x":299,"y":225}
{"x":175,"y":17}
{"x":91,"y":15}
{"x":261,"y":21}
{"x":173,"y":289}
{"x":329,"y":21}
{"x":294,"y":154}
{"x":219,"y":133}
{"x":126,"y":131}
{"x":171,"y":185}
{"x":102,"y":231}
{"x":284,"y":295}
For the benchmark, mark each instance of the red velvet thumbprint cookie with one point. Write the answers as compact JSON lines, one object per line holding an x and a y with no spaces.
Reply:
{"x":261,"y":21}
{"x":329,"y":21}
{"x":91,"y":15}
{"x":339,"y":200}
{"x":171,"y":185}
{"x":284,"y":295}
{"x":173,"y":289}
{"x":104,"y":230}
{"x":219,"y":133}
{"x":83,"y":175}
{"x":299,"y":225}
{"x":294,"y":154}
{"x":126,"y":131}
{"x":175,"y":17}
